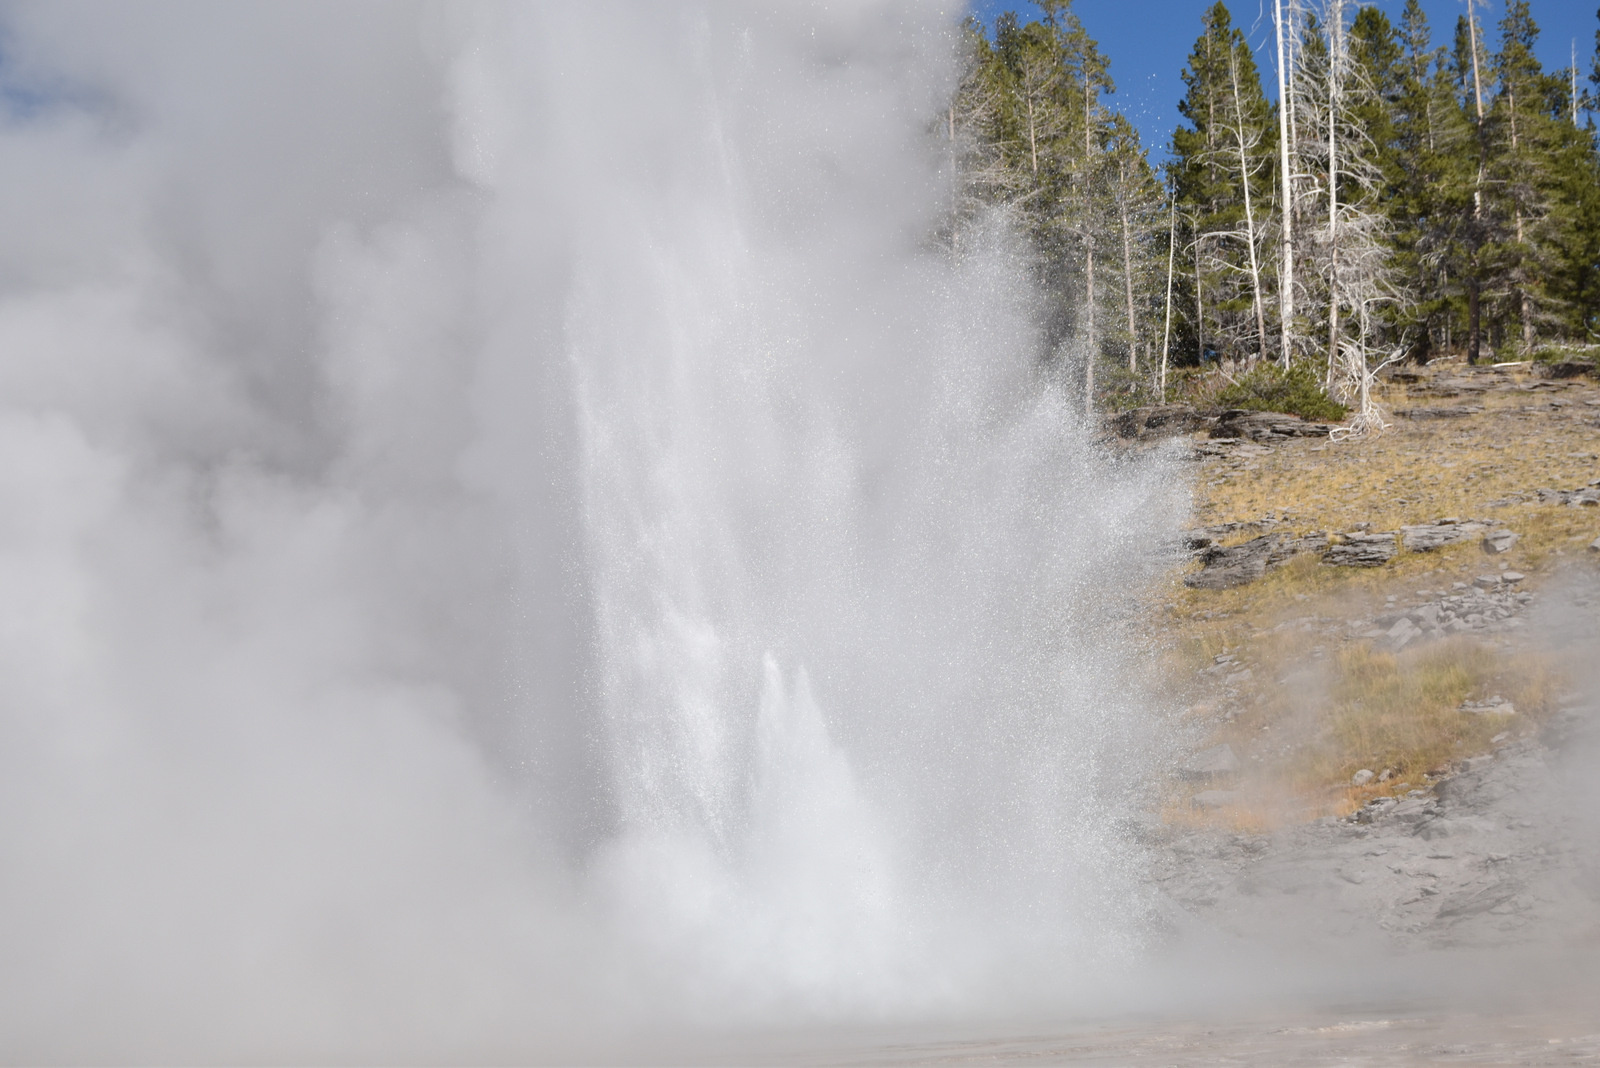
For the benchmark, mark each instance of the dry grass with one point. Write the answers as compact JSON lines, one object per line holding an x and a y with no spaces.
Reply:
{"x":1320,"y":707}
{"x":1418,"y":470}
{"x":1401,"y":714}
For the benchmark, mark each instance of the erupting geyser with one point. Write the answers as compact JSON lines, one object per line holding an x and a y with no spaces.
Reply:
{"x":511,"y":518}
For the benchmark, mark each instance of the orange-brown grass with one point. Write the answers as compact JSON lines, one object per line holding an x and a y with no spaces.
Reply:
{"x":1402,"y":712}
{"x":1335,"y":703}
{"x":1417,"y":470}
{"x":1398,"y":715}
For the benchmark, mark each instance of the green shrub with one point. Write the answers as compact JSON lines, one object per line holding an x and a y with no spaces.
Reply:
{"x":1118,"y":389}
{"x":1560,"y":351}
{"x":1269,"y":388}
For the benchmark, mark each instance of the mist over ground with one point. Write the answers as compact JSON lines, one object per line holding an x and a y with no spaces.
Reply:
{"x":514,"y":533}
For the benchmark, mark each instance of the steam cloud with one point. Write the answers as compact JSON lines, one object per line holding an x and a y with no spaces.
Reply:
{"x":508,"y":523}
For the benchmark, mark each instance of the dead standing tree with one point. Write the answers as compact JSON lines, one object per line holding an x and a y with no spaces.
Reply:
{"x":1239,"y":151}
{"x":1286,"y":155}
{"x":1350,"y":247}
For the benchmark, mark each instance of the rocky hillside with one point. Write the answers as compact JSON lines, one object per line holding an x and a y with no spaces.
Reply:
{"x":1379,"y":650}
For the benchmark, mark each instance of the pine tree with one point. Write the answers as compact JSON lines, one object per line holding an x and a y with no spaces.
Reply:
{"x":1523,"y":141}
{"x":1425,"y":183}
{"x":1378,"y":75}
{"x":1029,"y":135}
{"x":1573,"y":231}
{"x":1594,"y":65}
{"x":975,"y":136}
{"x":1223,"y":177}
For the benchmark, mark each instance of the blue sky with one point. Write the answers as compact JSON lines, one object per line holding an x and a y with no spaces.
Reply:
{"x":1149,"y":40}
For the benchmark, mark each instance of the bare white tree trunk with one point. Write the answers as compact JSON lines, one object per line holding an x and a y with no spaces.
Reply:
{"x":1249,"y":213}
{"x":1335,"y":100}
{"x":1357,"y":256}
{"x":1285,"y":111}
{"x":1127,"y":270}
{"x":1091,"y":343}
{"x":1172,"y":251}
{"x":1574,"y":69}
{"x":1525,"y":301}
{"x":1474,"y":325}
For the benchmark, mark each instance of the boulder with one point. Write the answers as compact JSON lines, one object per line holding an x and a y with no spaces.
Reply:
{"x":1498,"y":541}
{"x":1594,"y":546}
{"x":1158,"y":421}
{"x":1358,"y":549}
{"x":1362,"y":777}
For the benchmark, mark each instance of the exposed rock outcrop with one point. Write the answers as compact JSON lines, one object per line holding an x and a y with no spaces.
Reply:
{"x":1266,"y":427}
{"x":1359,"y":549}
{"x":1566,"y":368}
{"x":1239,"y":564}
{"x":1425,"y":537}
{"x":1159,"y":421}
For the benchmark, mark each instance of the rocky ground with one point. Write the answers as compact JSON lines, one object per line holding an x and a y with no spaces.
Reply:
{"x":1501,"y":852}
{"x":1499,"y":844}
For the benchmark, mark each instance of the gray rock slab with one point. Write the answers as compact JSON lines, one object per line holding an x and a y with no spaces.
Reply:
{"x":1360,"y":549}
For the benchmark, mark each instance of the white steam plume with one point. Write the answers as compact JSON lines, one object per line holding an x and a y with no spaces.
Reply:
{"x":508,"y":523}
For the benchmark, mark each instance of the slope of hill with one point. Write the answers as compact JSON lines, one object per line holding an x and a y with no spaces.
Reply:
{"x":1375,"y":645}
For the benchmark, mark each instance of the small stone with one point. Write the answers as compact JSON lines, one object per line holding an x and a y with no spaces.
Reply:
{"x":1512,"y":576}
{"x":1486,"y":582}
{"x":1401,"y":634}
{"x":1497,"y":739}
{"x":1594,"y":546}
{"x":1362,"y":777}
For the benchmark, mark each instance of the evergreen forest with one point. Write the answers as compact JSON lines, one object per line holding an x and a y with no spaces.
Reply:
{"x":1413,"y":194}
